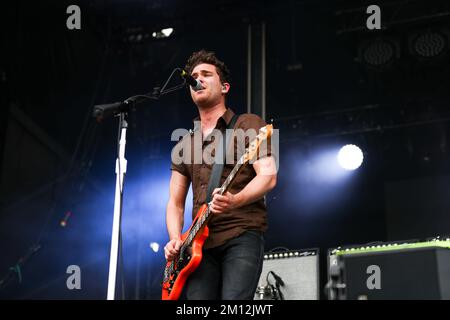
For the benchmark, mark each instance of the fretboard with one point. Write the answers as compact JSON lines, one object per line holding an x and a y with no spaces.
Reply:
{"x":198,"y":224}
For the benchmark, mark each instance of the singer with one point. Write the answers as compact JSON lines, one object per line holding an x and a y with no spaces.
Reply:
{"x":233,"y":252}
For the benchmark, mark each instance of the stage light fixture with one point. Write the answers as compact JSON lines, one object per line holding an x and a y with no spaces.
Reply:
{"x":350,"y":157}
{"x":428,"y":44}
{"x":154,"y":246}
{"x":378,"y":53}
{"x":163,"y":33}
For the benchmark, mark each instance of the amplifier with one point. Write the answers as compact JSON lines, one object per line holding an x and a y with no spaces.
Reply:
{"x":410,"y":270}
{"x":289,"y":275}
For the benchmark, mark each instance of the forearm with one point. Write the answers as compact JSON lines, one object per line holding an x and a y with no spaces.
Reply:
{"x":174,"y":221}
{"x":256,"y":189}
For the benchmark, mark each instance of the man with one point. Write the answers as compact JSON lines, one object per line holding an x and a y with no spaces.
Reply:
{"x":233,"y":253}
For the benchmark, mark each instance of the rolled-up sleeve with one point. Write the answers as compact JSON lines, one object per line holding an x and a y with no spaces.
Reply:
{"x":178,"y":158}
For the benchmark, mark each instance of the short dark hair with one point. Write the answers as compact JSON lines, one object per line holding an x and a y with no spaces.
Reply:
{"x":208,"y":57}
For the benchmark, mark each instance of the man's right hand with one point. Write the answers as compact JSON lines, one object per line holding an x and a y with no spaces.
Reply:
{"x":172,"y":248}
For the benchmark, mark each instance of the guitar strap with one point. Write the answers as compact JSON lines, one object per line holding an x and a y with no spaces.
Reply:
{"x":217,"y":169}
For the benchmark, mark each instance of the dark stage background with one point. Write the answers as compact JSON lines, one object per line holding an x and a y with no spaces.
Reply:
{"x":330,"y":81}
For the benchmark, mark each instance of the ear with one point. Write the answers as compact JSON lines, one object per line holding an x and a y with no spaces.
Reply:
{"x":225,"y":87}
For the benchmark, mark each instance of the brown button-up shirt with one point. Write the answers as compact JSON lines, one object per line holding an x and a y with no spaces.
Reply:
{"x":226,"y":225}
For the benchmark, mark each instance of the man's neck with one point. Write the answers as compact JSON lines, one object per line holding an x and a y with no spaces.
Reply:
{"x":209,"y":116}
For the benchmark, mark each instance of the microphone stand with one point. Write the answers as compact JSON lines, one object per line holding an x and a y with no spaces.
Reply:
{"x":121,"y":110}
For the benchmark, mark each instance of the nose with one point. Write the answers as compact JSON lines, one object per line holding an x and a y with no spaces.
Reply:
{"x":201,"y":79}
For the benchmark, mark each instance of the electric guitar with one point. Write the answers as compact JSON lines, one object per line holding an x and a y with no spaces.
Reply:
{"x":178,"y":270}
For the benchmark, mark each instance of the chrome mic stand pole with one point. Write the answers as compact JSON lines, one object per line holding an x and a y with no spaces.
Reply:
{"x":121,"y":169}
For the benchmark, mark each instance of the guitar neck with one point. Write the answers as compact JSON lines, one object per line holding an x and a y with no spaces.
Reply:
{"x":203,"y":220}
{"x":229,"y":180}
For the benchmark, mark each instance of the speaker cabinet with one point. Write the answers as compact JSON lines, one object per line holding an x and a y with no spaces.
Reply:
{"x":408,"y":271}
{"x":297,"y":269}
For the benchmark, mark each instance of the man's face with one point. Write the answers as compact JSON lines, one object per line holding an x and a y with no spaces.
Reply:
{"x":213,"y":90}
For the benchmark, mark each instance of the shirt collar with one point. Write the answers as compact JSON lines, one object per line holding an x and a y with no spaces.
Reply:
{"x":224,"y":119}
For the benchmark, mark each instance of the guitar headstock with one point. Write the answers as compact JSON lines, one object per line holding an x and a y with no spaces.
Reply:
{"x":264,"y":134}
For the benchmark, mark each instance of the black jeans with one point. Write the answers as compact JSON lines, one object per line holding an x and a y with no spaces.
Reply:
{"x":230,"y":271}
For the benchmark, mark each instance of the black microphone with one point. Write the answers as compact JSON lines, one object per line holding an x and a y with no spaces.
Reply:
{"x":104,"y":110}
{"x":194,"y":83}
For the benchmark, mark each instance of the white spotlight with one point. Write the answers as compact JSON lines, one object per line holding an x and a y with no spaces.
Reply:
{"x":167,"y":32}
{"x":154,"y":246}
{"x":163,"y":33}
{"x":350,"y":157}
